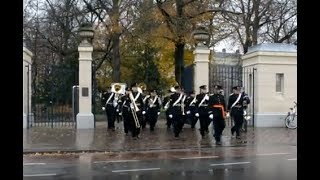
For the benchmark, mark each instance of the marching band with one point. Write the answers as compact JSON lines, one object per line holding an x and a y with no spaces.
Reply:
{"x":137,"y":108}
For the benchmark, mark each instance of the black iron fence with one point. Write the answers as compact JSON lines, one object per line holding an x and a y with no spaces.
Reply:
{"x":229,"y":76}
{"x":51,"y":104}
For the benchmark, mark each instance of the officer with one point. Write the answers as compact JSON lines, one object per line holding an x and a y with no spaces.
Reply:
{"x":153,"y":103}
{"x":191,"y":109}
{"x":235,"y":106}
{"x":217,"y":109}
{"x":202,"y":111}
{"x":107,"y":99}
{"x":176,"y":111}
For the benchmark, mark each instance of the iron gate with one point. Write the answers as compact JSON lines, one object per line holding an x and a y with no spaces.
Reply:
{"x":229,"y":76}
{"x":51,"y":104}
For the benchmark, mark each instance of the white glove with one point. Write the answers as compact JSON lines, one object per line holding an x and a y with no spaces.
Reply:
{"x":120,"y":114}
{"x":227,"y":115}
{"x":188,"y":112}
{"x":158,"y":113}
{"x":170,"y":116}
{"x":197,"y":114}
{"x":143,"y":112}
{"x":211,"y":116}
{"x":103,"y":108}
{"x":117,"y":110}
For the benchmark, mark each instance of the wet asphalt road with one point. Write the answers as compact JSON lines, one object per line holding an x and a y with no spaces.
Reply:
{"x":219,"y":163}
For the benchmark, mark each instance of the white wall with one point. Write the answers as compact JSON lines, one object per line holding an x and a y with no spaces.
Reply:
{"x":271,"y":107}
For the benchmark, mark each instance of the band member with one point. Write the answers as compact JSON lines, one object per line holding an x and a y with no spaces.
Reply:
{"x":153,"y":103}
{"x":217,"y":107}
{"x":235,"y":106}
{"x":191,"y":109}
{"x":144,"y":120}
{"x":107,"y":100}
{"x":176,"y":111}
{"x":139,"y":102}
{"x":126,"y":112}
{"x":202,"y":100}
{"x":166,"y":106}
{"x":183,"y":109}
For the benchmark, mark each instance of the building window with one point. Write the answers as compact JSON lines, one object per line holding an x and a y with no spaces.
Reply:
{"x":279,"y":82}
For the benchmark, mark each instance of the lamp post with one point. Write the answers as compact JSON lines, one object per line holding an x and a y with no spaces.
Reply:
{"x":85,"y":118}
{"x":201,"y":61}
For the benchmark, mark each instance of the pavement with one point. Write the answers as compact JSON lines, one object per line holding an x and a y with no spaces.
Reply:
{"x":62,"y":153}
{"x":46,"y":140}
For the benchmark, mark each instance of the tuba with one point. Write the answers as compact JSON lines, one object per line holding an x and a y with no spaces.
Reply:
{"x":119,"y":89}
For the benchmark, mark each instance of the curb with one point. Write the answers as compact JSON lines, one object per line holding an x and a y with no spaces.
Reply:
{"x":32,"y":151}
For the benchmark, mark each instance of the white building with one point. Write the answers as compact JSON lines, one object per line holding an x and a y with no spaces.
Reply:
{"x":275,"y":81}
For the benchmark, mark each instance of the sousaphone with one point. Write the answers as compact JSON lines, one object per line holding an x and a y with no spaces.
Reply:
{"x":119,"y":88}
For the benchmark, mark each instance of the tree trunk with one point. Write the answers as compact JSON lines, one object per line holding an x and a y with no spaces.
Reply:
{"x":116,"y":58}
{"x":179,"y":63}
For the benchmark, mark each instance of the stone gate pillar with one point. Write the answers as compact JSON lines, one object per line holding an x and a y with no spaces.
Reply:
{"x":201,"y":60}
{"x":85,"y":118}
{"x":27,"y":56}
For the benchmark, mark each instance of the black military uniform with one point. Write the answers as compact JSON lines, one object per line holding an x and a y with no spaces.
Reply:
{"x":139,"y":102}
{"x":166,"y":102}
{"x":144,"y":119}
{"x":217,"y":109}
{"x":236,"y":110}
{"x":176,"y":111}
{"x":190,"y":109}
{"x":153,"y":105}
{"x":107,"y":101}
{"x":126,"y":112}
{"x":202,"y":110}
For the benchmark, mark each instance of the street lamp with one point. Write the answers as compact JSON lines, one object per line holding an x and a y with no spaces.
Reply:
{"x":201,"y":36}
{"x":86,"y":33}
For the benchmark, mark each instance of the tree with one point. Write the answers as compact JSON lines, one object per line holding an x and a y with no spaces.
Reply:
{"x":115,"y":16}
{"x":180,"y":18}
{"x":283,"y":27}
{"x":262,"y":20}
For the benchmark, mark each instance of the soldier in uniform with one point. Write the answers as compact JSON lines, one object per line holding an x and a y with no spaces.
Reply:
{"x":217,"y":109}
{"x":138,"y":98}
{"x":202,"y":111}
{"x":191,"y":109}
{"x":176,"y":111}
{"x":153,"y":104}
{"x":235,"y":106}
{"x":107,"y":101}
{"x":166,"y":106}
{"x":126,"y":111}
{"x":144,"y":119}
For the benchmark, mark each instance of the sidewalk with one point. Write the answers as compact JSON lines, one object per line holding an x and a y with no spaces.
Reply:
{"x":45,"y":139}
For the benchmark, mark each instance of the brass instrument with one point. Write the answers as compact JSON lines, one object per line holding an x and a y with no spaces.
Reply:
{"x":142,"y":87}
{"x":134,"y":109}
{"x":118,"y":89}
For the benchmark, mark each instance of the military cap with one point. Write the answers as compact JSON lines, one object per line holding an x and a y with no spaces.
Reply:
{"x":134,"y":84}
{"x":176,"y":87}
{"x":203,"y":87}
{"x":217,"y":87}
{"x":236,"y":87}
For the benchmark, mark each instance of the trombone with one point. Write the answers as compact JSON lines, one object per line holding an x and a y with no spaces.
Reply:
{"x":134,"y":108}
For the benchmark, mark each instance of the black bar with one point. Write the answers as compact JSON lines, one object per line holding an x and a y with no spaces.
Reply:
{"x":253,"y":96}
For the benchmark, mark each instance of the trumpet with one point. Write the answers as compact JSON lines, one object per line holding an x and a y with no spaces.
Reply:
{"x":134,"y":109}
